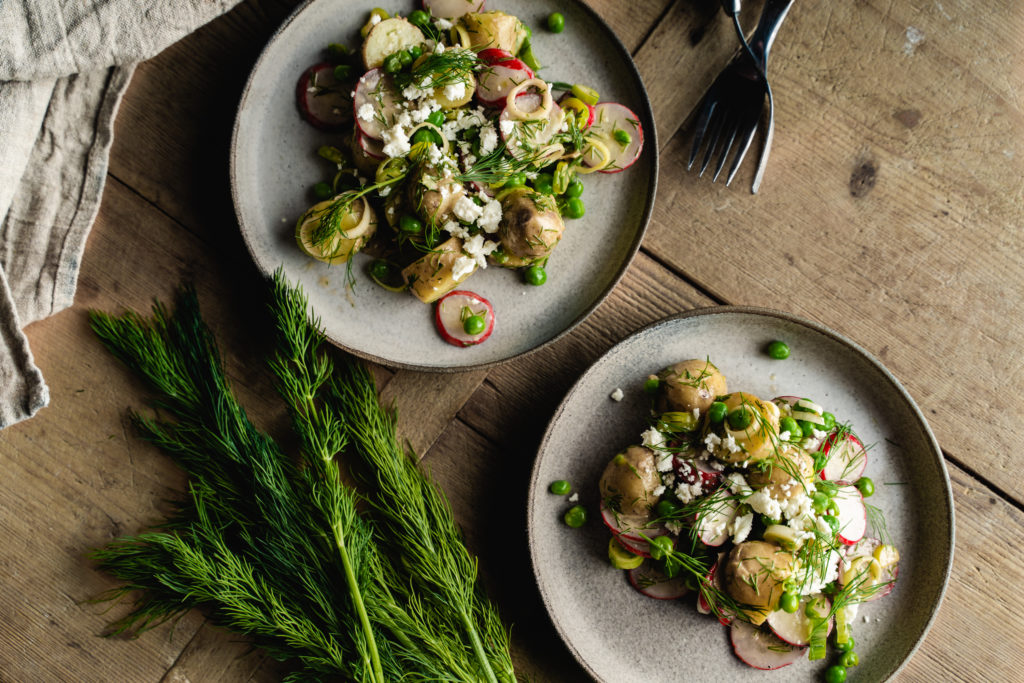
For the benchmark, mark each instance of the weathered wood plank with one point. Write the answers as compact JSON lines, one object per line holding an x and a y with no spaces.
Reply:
{"x":889,"y":210}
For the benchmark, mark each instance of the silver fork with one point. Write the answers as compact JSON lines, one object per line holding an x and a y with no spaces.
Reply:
{"x":734,"y":104}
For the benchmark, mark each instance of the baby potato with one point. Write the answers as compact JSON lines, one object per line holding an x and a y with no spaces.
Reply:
{"x":690,"y":384}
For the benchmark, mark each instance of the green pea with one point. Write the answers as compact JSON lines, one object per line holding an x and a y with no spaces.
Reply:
{"x":847,"y":646}
{"x":665,"y":508}
{"x":830,"y":421}
{"x":425,"y":135}
{"x":574,"y":208}
{"x":622,"y":137}
{"x":767,"y":521}
{"x":716,"y":412}
{"x":392,"y":64}
{"x":404,"y":57}
{"x":778,"y":350}
{"x":833,"y":523}
{"x":789,"y":602}
{"x":544,"y":183}
{"x":419,"y":18}
{"x":410,"y":225}
{"x":342,"y":72}
{"x":651,"y":385}
{"x":849,"y":659}
{"x":819,"y":501}
{"x":535,"y":275}
{"x":322,"y":191}
{"x":436,"y":118}
{"x":740,"y":418}
{"x":661,"y":546}
{"x":829,"y":488}
{"x":337,"y":50}
{"x":807,"y":428}
{"x":866,"y":487}
{"x":379,"y":270}
{"x":560,"y":487}
{"x":835,"y":674}
{"x":576,"y":516}
{"x":416,"y":52}
{"x":788,"y":424}
{"x":556,"y":22}
{"x":515,"y":180}
{"x":575,"y":188}
{"x":832,"y":509}
{"x":474,"y":324}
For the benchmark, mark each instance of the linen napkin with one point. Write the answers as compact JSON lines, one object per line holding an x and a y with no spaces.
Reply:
{"x":64,"y":65}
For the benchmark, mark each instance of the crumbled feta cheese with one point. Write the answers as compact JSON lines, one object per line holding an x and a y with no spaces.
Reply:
{"x":617,"y":395}
{"x":488,"y":139}
{"x":396,"y":141}
{"x":466,"y":209}
{"x":442,"y":24}
{"x":385,"y":191}
{"x":652,"y":438}
{"x":463,"y":266}
{"x":664,"y":464}
{"x":574,"y":497}
{"x":455,"y":91}
{"x":784,"y":436}
{"x":818,"y":434}
{"x":737,"y":484}
{"x":507,"y":126}
{"x":439,"y":49}
{"x":658,"y":491}
{"x":365,"y":112}
{"x":730,"y":444}
{"x":456,"y":229}
{"x":712,"y":441}
{"x":741,"y":526}
{"x":765,"y":504}
{"x":374,"y":19}
{"x":696,"y":413}
{"x":490,"y":217}
{"x":686,"y":492}
{"x":413,"y":92}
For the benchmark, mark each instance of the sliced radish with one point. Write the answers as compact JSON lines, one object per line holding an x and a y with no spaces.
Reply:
{"x":847,"y":457}
{"x":631,"y":531}
{"x":450,"y":312}
{"x":323,"y":100}
{"x":796,"y":628}
{"x":496,"y":81}
{"x":761,"y":649}
{"x":452,"y":9}
{"x":608,"y":118}
{"x":372,"y":148}
{"x":853,"y":517}
{"x":714,"y":578}
{"x":712,"y":524}
{"x":495,"y":55}
{"x":694,"y":471}
{"x":376,"y":103}
{"x":653,"y":583}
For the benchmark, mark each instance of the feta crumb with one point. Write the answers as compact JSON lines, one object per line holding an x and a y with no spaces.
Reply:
{"x":784,"y":436}
{"x":741,"y":526}
{"x":617,"y":394}
{"x":463,"y":266}
{"x":455,"y":91}
{"x":385,"y":191}
{"x":507,"y":126}
{"x":696,"y":413}
{"x":466,"y":209}
{"x":365,"y":112}
{"x":658,"y":491}
{"x":442,"y":24}
{"x":374,"y":19}
{"x":574,"y":497}
{"x":730,"y":444}
{"x":652,"y":438}
{"x":664,"y":464}
{"x":490,"y":216}
{"x":456,"y":229}
{"x":488,"y":139}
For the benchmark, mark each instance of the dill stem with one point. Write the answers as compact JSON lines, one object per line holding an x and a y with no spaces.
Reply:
{"x":478,"y":647}
{"x":357,"y":602}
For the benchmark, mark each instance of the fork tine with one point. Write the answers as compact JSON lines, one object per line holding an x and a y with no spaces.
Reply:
{"x":716,"y":133}
{"x":745,"y":140}
{"x":707,"y":110}
{"x":733,"y":128}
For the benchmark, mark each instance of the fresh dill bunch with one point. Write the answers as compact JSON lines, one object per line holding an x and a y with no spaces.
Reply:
{"x":493,"y":168}
{"x":438,"y":69}
{"x":275,"y":547}
{"x":416,"y":525}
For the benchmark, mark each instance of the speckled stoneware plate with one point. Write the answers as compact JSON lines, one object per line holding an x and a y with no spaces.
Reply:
{"x":274,"y":164}
{"x":619,"y":635}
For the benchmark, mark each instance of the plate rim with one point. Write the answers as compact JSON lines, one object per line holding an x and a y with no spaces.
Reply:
{"x":650,"y":146}
{"x":762,"y":312}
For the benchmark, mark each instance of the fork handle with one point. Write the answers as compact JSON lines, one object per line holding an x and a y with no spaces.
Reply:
{"x":731,"y":7}
{"x":772,"y":16}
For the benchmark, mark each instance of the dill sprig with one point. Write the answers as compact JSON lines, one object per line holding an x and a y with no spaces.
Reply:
{"x":274,"y":547}
{"x":439,"y":69}
{"x":494,"y":168}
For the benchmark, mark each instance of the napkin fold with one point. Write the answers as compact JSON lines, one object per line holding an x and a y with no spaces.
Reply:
{"x":64,"y":66}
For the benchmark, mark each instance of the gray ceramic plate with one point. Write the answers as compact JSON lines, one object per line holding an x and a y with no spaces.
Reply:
{"x":274,"y":163}
{"x":619,"y":635}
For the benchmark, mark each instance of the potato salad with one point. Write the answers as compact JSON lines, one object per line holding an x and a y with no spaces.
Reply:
{"x":451,"y":153}
{"x":756,"y":505}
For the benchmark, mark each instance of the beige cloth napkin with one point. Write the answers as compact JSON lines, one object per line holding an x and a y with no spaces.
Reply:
{"x":64,"y":65}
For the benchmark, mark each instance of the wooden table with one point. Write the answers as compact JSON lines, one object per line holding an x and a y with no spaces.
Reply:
{"x":892,"y":212}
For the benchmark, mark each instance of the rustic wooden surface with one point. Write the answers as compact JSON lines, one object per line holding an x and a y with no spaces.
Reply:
{"x":892,"y":211}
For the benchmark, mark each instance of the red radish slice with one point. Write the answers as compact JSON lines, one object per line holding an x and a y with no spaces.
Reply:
{"x":650,"y":581}
{"x":713,"y":524}
{"x":494,"y":83}
{"x":376,"y":103}
{"x":694,"y":471}
{"x":796,"y":628}
{"x":452,"y":9}
{"x":631,"y":530}
{"x":714,"y":578}
{"x":608,"y":118}
{"x":761,"y":649}
{"x":372,"y":148}
{"x":494,"y":55}
{"x":449,"y":317}
{"x":847,"y":457}
{"x":853,"y":516}
{"x":324,"y":101}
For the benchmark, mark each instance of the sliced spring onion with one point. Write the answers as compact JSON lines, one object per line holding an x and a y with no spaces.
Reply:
{"x":814,"y":418}
{"x":807,"y":404}
{"x":545,"y":104}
